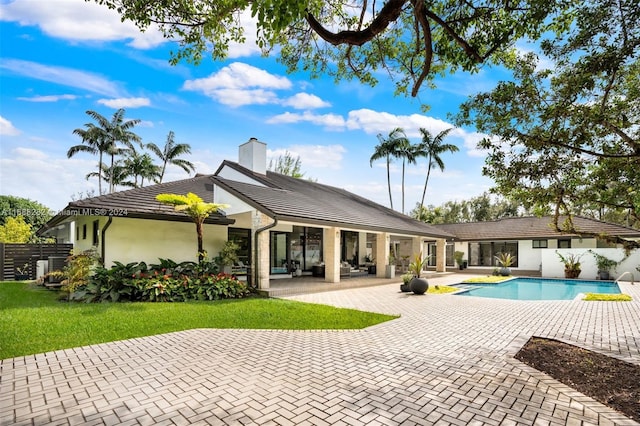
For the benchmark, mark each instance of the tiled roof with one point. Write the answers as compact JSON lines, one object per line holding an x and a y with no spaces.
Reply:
{"x":522,"y":228}
{"x":304,"y":201}
{"x":142,"y":203}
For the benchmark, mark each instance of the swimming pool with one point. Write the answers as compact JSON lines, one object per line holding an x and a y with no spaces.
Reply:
{"x":539,"y":289}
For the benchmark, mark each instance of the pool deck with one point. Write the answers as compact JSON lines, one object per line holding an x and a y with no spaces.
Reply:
{"x":448,"y":360}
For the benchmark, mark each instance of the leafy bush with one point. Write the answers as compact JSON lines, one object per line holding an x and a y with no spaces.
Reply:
{"x":79,"y":269}
{"x":167,"y":281}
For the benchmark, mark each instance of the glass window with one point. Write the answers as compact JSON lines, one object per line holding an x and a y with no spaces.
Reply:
{"x":483,"y":253}
{"x":564,"y":243}
{"x":540,"y":244}
{"x":242,"y":237}
{"x":313,"y":247}
{"x":96,"y":228}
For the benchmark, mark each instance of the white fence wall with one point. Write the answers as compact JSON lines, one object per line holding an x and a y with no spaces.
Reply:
{"x":552,"y":267}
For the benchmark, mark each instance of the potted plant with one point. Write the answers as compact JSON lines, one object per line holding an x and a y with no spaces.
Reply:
{"x":390,"y":269}
{"x":458,"y":255}
{"x":418,"y":284}
{"x":228,"y":256}
{"x":604,"y":265}
{"x":22,"y":273}
{"x":505,"y":260}
{"x":571,"y":264}
{"x":405,"y":287}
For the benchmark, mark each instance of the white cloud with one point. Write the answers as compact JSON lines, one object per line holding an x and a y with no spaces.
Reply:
{"x":78,"y":20}
{"x":305,"y":101}
{"x":125,"y":102}
{"x":249,"y":47}
{"x":313,"y":156}
{"x":48,"y":98}
{"x":374,"y":122}
{"x":240,"y":97}
{"x":471,"y":142}
{"x":22,"y":175}
{"x":7,"y":128}
{"x":63,"y":75}
{"x":240,"y":84}
{"x":330,"y":121}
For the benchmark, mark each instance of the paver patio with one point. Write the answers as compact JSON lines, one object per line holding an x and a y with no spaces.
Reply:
{"x":446,"y":360}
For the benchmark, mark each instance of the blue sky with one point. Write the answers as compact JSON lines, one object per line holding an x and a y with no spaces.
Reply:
{"x":61,"y":58}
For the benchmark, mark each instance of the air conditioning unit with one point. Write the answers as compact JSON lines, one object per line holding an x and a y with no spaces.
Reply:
{"x":56,"y":263}
{"x":42,"y":267}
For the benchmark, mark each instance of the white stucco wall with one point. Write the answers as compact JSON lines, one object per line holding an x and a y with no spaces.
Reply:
{"x":236,"y":206}
{"x":552,"y":267}
{"x":233,"y":174}
{"x":84,"y":241}
{"x":529,"y":259}
{"x":135,"y":240}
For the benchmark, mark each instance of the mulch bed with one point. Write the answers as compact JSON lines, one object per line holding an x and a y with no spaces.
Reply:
{"x":613,"y":382}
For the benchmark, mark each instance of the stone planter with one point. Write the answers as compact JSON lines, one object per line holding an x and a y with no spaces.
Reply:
{"x":419,"y":285}
{"x":405,"y":288}
{"x":603,"y":275}
{"x":572,"y":273}
{"x":505,"y":272}
{"x":390,"y":271}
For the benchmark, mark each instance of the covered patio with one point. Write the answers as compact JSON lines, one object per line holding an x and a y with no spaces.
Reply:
{"x":309,"y":284}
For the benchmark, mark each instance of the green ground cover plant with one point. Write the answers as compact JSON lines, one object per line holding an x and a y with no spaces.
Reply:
{"x":594,"y":297}
{"x":489,"y":279}
{"x":441,"y":289}
{"x":33,"y":320}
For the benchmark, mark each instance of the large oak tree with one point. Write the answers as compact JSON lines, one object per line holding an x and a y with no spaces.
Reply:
{"x":412,"y":40}
{"x":568,"y":135}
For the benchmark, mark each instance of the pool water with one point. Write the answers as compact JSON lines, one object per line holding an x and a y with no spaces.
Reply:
{"x":539,"y":289}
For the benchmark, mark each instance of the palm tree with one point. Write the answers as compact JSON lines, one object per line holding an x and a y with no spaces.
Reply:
{"x":141,"y":166}
{"x":95,"y":141}
{"x":116,"y":174}
{"x":405,"y":150}
{"x":386,"y":149}
{"x":170,"y":153}
{"x":115,"y":131}
{"x":194,"y":207}
{"x":431,"y":148}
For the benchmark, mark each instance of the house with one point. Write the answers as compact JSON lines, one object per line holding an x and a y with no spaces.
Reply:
{"x":534,"y":242}
{"x":284,"y":226}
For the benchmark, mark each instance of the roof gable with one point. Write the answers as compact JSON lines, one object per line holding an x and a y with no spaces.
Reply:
{"x":302,"y":200}
{"x":142,"y":203}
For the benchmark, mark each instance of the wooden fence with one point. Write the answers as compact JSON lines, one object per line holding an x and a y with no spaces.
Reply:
{"x":14,"y":256}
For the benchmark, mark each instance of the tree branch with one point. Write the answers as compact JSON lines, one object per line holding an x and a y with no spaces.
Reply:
{"x":388,"y":14}
{"x":418,"y":8}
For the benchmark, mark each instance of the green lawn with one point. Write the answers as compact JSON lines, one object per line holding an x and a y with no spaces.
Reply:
{"x":32,"y":320}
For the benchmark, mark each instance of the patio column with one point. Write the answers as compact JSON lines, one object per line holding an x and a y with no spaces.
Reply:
{"x":331,"y":256}
{"x":382,"y":253}
{"x":362,"y":247}
{"x":441,"y":255}
{"x":261,"y":251}
{"x":416,"y":247}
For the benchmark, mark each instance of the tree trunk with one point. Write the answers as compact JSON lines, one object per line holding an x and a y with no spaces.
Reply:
{"x":424,"y":191}
{"x":200,"y":248}
{"x":100,"y":174}
{"x":389,"y":184}
{"x":402,"y":186}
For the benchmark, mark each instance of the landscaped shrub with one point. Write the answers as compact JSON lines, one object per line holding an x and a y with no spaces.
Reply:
{"x":167,"y":281}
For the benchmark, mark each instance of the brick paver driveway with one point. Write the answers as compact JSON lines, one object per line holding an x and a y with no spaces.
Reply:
{"x":447,"y":360}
